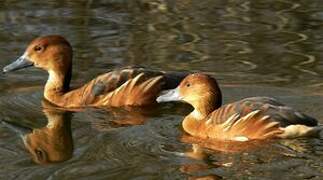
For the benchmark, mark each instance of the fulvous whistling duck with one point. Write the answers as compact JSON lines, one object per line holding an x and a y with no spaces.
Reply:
{"x":124,"y":87}
{"x":250,"y":118}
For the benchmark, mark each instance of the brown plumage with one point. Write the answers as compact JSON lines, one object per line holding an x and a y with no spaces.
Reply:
{"x":123,"y":87}
{"x":250,"y":118}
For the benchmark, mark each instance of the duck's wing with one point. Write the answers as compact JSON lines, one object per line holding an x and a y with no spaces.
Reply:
{"x":257,"y":117}
{"x":127,"y":86}
{"x":254,"y":125}
{"x":134,"y":92}
{"x":277,"y":111}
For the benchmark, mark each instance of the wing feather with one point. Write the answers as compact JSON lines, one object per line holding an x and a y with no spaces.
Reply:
{"x":140,"y":90}
{"x":252,"y":118}
{"x":252,"y":126}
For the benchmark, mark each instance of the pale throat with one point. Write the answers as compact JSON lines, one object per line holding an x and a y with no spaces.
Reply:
{"x":197,"y":115}
{"x":202,"y":108}
{"x":192,"y":123}
{"x":55,"y":82}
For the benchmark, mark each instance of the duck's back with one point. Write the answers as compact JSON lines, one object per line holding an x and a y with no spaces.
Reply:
{"x":264,"y":106}
{"x":127,"y":86}
{"x":256,"y":118}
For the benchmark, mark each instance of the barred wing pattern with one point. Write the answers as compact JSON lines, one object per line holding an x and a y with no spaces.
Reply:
{"x":255,"y":118}
{"x":136,"y":91}
{"x":128,"y":86}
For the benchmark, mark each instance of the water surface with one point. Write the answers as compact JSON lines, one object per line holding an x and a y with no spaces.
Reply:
{"x":253,"y":48}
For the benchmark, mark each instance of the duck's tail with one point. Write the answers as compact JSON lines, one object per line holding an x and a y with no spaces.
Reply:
{"x":294,"y":131}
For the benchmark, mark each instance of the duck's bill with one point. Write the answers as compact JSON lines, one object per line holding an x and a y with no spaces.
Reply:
{"x":169,"y":95}
{"x":20,"y":63}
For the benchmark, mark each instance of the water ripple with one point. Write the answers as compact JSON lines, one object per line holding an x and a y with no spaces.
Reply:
{"x":309,"y":59}
{"x":252,"y":48}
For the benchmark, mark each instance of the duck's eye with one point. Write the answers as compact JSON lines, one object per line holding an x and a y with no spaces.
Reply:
{"x":38,"y":48}
{"x":37,"y":151}
{"x":39,"y":154}
{"x":188,"y":85}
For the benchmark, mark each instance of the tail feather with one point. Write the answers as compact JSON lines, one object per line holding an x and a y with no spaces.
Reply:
{"x":293,"y":131}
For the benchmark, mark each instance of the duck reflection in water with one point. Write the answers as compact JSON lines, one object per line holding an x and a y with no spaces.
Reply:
{"x":110,"y":118}
{"x":202,"y":150}
{"x":52,"y":143}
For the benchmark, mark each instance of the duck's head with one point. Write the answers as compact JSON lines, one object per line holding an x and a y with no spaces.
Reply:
{"x":51,"y":53}
{"x":199,"y":90}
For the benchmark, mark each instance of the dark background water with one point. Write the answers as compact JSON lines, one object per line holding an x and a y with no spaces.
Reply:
{"x":253,"y":48}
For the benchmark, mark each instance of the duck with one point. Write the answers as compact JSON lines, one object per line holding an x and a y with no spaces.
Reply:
{"x":129,"y":86}
{"x":253,"y":118}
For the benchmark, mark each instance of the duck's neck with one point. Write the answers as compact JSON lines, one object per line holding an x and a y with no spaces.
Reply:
{"x":195,"y":121}
{"x":57,"y":85}
{"x":205,"y":105}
